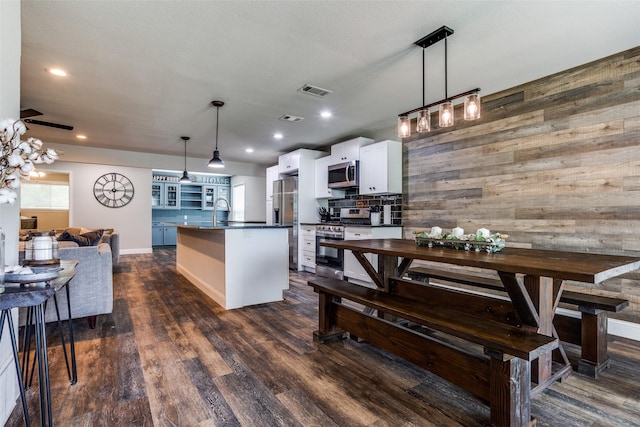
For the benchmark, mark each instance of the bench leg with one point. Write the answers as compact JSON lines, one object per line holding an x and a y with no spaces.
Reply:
{"x":510,"y":391}
{"x":327,"y":330}
{"x":594,"y":355}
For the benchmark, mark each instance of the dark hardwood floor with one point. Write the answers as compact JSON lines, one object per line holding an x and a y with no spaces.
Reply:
{"x":169,"y":356}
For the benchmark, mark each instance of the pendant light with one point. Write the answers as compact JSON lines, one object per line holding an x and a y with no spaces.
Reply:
{"x":185,"y":175}
{"x":216,"y":161}
{"x":472,"y":106}
{"x":404,"y":126}
{"x":424,"y":115}
{"x":445,"y":106}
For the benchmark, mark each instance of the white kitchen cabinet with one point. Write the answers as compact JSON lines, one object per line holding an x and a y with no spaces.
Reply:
{"x":272,"y":174}
{"x":308,"y":238}
{"x":347,"y":151}
{"x":307,"y":203}
{"x":353,"y":271}
{"x":269,"y":212}
{"x":289,"y":163}
{"x":381,"y":168}
{"x":165,"y":195}
{"x":322,"y":178}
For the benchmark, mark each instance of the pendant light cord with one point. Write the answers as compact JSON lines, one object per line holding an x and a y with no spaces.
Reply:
{"x":185,"y":154}
{"x":446,"y":95}
{"x":217,"y":123}
{"x":423,"y":78}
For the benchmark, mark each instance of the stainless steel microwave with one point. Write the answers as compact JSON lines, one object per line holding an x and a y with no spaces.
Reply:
{"x":344,"y":175}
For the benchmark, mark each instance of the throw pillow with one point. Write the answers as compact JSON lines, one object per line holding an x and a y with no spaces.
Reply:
{"x":91,"y":238}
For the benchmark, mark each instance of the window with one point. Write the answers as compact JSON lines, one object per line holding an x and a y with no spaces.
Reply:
{"x":40,"y":195}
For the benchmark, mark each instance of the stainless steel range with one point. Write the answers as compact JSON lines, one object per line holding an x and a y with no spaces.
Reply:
{"x":355,"y":216}
{"x":330,"y":261}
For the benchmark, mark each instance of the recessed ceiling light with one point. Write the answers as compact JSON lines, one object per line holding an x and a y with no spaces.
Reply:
{"x":277,"y":135}
{"x":57,"y":72}
{"x":81,"y":136}
{"x":326,"y":114}
{"x":249,"y":150}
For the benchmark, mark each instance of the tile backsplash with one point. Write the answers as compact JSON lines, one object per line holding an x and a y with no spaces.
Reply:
{"x":352,"y":200}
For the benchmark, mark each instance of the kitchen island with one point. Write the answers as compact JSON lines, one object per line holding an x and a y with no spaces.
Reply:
{"x":235,"y":264}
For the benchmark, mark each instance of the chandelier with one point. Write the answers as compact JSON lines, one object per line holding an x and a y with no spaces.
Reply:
{"x":445,"y":106}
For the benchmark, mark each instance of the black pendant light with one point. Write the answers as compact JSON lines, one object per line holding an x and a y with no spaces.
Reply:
{"x":216,"y":161}
{"x":185,"y":175}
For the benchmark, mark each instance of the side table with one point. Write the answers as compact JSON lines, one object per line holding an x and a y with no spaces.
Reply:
{"x":35,"y":296}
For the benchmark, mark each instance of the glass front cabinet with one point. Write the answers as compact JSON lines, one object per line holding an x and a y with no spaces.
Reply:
{"x":208,"y":196}
{"x":165,"y":195}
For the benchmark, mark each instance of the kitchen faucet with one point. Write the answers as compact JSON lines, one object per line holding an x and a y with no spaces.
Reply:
{"x":215,"y":209}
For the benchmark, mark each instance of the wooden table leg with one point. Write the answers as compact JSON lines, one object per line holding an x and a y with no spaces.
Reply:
{"x":541,"y":291}
{"x":535,"y":301}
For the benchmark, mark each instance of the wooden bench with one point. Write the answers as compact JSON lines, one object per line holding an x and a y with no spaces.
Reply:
{"x":500,"y":375}
{"x":589,"y":332}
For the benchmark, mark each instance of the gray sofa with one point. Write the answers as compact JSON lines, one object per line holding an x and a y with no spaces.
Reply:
{"x":110,"y":236}
{"x":92,"y":286}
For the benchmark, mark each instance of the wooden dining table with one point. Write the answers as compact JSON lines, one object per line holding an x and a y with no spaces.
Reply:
{"x":533,"y":278}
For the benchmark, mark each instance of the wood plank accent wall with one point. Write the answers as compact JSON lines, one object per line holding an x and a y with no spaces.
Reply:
{"x":555,"y":163}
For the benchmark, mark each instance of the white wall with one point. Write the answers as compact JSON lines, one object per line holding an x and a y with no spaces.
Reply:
{"x":132,"y":221}
{"x":10,"y":41}
{"x":255,"y":195}
{"x":103,"y":156}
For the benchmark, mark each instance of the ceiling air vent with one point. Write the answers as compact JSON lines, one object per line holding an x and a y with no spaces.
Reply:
{"x":314,"y":90}
{"x":290,"y":118}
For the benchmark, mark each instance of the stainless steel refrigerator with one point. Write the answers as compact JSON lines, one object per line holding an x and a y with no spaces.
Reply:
{"x":285,"y":212}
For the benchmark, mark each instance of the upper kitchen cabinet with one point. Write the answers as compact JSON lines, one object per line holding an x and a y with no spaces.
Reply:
{"x":208,"y":197}
{"x":381,"y":168}
{"x":322,"y":178}
{"x":165,"y":195}
{"x":348,"y":150}
{"x":289,"y":163}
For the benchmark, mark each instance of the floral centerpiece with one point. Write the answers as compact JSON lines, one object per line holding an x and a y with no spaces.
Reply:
{"x":482,"y":240}
{"x":18,"y":157}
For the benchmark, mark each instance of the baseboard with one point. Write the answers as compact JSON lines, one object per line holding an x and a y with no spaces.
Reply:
{"x":622,"y":328}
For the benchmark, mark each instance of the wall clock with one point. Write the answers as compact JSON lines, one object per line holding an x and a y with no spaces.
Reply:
{"x":113,"y":190}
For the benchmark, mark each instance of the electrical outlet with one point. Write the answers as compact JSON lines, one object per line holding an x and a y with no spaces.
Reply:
{"x":185,"y":217}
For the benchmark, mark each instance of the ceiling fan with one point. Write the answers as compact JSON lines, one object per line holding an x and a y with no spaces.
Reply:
{"x":25,"y":116}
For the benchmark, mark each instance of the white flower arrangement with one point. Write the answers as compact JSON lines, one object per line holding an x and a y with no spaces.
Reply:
{"x":17,"y":157}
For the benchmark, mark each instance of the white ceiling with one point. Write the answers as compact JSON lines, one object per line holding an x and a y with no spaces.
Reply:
{"x":143,"y":73}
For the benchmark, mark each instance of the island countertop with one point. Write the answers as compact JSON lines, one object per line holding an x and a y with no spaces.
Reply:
{"x":222,"y":225}
{"x":235,"y":264}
